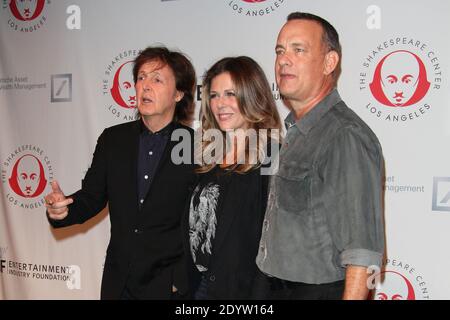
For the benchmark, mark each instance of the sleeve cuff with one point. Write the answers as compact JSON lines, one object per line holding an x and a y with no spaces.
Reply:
{"x":360,"y":257}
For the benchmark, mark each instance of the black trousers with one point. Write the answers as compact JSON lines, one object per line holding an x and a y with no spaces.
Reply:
{"x":202,"y":290}
{"x":271,"y":288}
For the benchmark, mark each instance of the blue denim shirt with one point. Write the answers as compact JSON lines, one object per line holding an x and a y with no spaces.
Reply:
{"x":325,"y":203}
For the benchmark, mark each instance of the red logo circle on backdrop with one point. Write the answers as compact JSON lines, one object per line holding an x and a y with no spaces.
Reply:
{"x":400,"y":288}
{"x":400,"y":79}
{"x":122,"y":90}
{"x":26,"y":10}
{"x":26,"y":172}
{"x":28,"y":177}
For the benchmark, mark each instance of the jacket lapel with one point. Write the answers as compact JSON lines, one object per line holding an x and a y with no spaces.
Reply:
{"x":133,"y":149}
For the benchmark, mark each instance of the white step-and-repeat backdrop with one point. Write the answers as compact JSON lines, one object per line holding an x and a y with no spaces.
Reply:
{"x":65,"y":75}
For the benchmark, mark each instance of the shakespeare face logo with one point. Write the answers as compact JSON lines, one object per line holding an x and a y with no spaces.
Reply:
{"x":399,"y":280}
{"x":254,"y":8}
{"x":25,"y":15}
{"x":118,"y":86}
{"x":25,"y":10}
{"x":26,"y":173}
{"x":398,"y":288}
{"x":123,"y":91}
{"x":28,"y":178}
{"x":399,"y":80}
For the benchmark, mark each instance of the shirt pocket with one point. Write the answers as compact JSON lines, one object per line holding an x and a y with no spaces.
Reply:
{"x":293,"y":186}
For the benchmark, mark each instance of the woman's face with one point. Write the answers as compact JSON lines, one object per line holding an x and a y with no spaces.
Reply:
{"x":224,"y":104}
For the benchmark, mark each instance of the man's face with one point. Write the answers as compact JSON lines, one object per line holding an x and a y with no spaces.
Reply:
{"x":299,"y":66}
{"x":26,"y":7}
{"x":126,"y":88}
{"x":156,"y":91}
{"x":28,"y":175}
{"x":399,"y":77}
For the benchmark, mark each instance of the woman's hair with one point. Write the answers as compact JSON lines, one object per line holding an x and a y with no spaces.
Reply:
{"x":184,"y":77}
{"x":255,"y":103}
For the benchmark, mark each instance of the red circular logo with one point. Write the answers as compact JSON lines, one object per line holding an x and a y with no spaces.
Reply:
{"x":28,"y":177}
{"x":26,"y":10}
{"x":122,"y":90}
{"x":400,"y":79}
{"x":400,"y":288}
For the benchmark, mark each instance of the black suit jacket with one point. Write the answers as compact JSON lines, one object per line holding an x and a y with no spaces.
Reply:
{"x":232,"y":268}
{"x":145,"y":250}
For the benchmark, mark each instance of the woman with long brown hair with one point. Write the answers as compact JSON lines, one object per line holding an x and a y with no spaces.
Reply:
{"x":239,"y":121}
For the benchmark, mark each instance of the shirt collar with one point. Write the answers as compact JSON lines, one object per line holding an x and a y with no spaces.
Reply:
{"x":310,"y":119}
{"x":167,"y":130}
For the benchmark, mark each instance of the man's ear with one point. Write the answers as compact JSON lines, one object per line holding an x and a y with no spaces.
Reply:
{"x":178,"y":96}
{"x":331,"y":61}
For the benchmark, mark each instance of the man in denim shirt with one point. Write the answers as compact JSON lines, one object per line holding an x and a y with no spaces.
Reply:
{"x":323,"y":226}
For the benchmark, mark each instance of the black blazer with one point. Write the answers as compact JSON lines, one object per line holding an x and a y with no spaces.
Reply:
{"x":232,"y":266}
{"x":145,"y":249}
